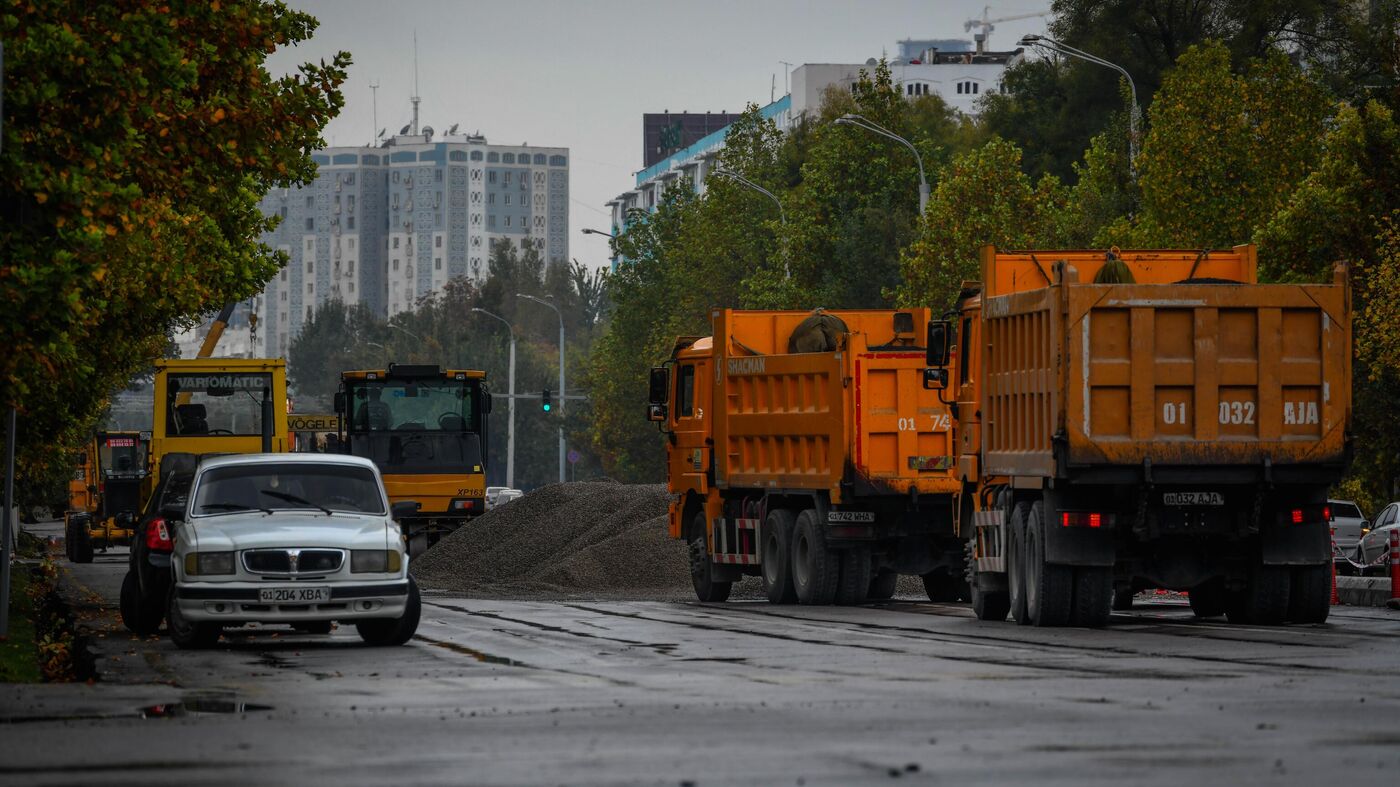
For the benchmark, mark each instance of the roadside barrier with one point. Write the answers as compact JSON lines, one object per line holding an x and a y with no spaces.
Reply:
{"x":1380,"y":560}
{"x":1336,"y":599}
{"x":1394,"y":565}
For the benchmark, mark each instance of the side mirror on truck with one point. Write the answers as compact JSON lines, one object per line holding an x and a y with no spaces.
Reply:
{"x":936,"y":353}
{"x":658,"y":393}
{"x":339,"y":402}
{"x":935,"y":378}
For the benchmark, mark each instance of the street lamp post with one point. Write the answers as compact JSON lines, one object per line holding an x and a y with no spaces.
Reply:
{"x":860,"y":122}
{"x":382,"y":347}
{"x":562,"y":392}
{"x":782,"y":214}
{"x":591,"y":231}
{"x":510,"y":427}
{"x":1049,"y":44}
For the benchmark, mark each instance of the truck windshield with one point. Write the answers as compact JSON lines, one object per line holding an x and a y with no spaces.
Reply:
{"x":215,"y":403}
{"x":273,"y":486}
{"x":415,"y":426}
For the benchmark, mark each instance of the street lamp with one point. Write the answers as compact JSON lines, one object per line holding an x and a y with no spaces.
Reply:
{"x":782,"y":215}
{"x":562,"y":398}
{"x":1051,"y":45}
{"x":591,"y":231}
{"x":734,"y":176}
{"x":510,"y":426}
{"x":857,"y":120}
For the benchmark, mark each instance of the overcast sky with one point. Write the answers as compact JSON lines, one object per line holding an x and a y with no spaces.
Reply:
{"x":580,"y":74}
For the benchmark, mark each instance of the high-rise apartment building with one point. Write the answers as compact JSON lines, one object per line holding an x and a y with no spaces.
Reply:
{"x":388,"y":225}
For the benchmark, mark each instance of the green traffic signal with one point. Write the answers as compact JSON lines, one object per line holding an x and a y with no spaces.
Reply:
{"x":545,"y":403}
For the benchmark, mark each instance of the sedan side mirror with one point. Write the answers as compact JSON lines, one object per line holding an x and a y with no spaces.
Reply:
{"x":403,"y":509}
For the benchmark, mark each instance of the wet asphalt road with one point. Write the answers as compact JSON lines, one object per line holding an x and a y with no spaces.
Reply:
{"x":579,"y":692}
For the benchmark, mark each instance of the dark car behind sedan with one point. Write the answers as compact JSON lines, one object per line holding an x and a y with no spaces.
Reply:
{"x":147,"y":583}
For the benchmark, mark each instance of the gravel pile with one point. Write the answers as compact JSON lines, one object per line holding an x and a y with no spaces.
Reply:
{"x":596,"y":538}
{"x":593,"y":539}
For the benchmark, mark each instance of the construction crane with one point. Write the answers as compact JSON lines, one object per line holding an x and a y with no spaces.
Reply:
{"x":987,"y":24}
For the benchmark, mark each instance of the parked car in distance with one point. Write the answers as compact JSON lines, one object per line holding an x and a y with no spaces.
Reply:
{"x":146,"y":587}
{"x":299,"y":539}
{"x":1347,"y":524}
{"x":1376,"y":542}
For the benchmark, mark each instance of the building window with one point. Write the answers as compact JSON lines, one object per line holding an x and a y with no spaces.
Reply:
{"x":437,"y":175}
{"x":437,"y":242}
{"x":395,"y":176}
{"x":310,"y":224}
{"x":284,"y":295}
{"x":491,"y":176}
{"x":396,"y":241}
{"x":350,"y":222}
{"x":491,"y":221}
{"x":284,"y":274}
{"x":476,"y":155}
{"x":491,"y":198}
{"x":310,"y":201}
{"x":506,"y":179}
{"x":310,"y":267}
{"x":309,"y":289}
{"x":350,"y":203}
{"x":507,"y":199}
{"x":507,"y":221}
{"x":437,"y":263}
{"x":539,"y":159}
{"x":352,"y":286}
{"x":283,"y":211}
{"x":507,"y":158}
{"x":308,"y":312}
{"x":396,"y":263}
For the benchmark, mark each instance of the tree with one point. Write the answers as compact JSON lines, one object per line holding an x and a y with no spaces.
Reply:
{"x":982,"y":197}
{"x":138,"y":139}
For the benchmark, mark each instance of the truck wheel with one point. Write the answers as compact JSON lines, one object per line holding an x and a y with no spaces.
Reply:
{"x":1310,"y":594}
{"x":1264,"y":599}
{"x":394,"y":631}
{"x":82,"y":543}
{"x":1049,"y":588}
{"x":1208,"y":600}
{"x":417,"y":544}
{"x":1015,"y":562}
{"x":941,"y":586}
{"x":702,"y":578}
{"x":855,"y":576}
{"x":139,"y":615}
{"x":882,"y":585}
{"x":816,"y":568}
{"x":189,"y":634}
{"x":1093,"y":595}
{"x":986,"y":604}
{"x":777,"y":557}
{"x":1123,"y":598}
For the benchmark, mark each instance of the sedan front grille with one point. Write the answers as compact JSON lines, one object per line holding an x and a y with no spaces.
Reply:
{"x":293,"y":561}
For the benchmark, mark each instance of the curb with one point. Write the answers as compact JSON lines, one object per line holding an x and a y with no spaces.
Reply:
{"x":1364,"y":591}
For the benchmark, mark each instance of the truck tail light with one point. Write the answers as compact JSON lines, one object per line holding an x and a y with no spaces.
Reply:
{"x":1327,"y":513}
{"x":1297,"y":516}
{"x":1090,"y":519}
{"x":158,"y":536}
{"x":462,"y":504}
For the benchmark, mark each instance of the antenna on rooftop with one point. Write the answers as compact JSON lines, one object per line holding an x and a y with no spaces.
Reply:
{"x":414,"y":98}
{"x":374,"y":91}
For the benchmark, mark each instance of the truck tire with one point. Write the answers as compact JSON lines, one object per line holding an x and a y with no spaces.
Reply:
{"x":1093,"y":596}
{"x":941,"y":586}
{"x":986,"y":604}
{"x":816,"y":568}
{"x":1310,"y":594}
{"x":1049,"y":588}
{"x":855,"y":576}
{"x":1209,"y":600}
{"x":1015,"y":562}
{"x":1264,"y":599}
{"x":1123,"y":598}
{"x":702,"y":576}
{"x":82,"y":543}
{"x":140,"y":616}
{"x":882,"y":585}
{"x":777,"y":557}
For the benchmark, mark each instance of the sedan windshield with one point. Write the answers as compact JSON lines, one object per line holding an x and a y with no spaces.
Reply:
{"x":274,"y":486}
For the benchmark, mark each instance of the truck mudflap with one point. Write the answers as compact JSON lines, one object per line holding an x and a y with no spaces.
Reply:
{"x":1075,"y":546}
{"x":1296,"y":545}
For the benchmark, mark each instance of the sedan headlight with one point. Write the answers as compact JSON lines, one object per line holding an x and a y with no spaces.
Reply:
{"x":374,"y":561}
{"x":207,"y":563}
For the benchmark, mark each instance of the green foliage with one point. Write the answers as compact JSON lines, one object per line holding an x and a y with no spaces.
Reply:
{"x":1224,"y":149}
{"x":138,"y":139}
{"x":982,"y":197}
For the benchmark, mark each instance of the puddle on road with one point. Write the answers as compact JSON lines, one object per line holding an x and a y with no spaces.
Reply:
{"x":200,"y":705}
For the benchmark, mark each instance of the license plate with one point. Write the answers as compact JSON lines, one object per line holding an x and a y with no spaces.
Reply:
{"x":294,"y":595}
{"x":1193,"y":499}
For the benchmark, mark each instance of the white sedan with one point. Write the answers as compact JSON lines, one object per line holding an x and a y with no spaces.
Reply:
{"x":300,"y":539}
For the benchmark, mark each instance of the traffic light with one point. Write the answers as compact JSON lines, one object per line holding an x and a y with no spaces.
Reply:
{"x":545,"y":403}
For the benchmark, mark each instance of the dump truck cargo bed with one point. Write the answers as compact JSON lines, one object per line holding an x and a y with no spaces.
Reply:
{"x":1220,"y":372}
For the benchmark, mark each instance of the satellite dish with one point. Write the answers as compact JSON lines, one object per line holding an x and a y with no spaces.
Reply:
{"x":427,"y":132}
{"x":405,"y":129}
{"x":453,"y":130}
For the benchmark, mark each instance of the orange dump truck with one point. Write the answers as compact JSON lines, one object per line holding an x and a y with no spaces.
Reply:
{"x":803,"y":447}
{"x":1179,"y":431}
